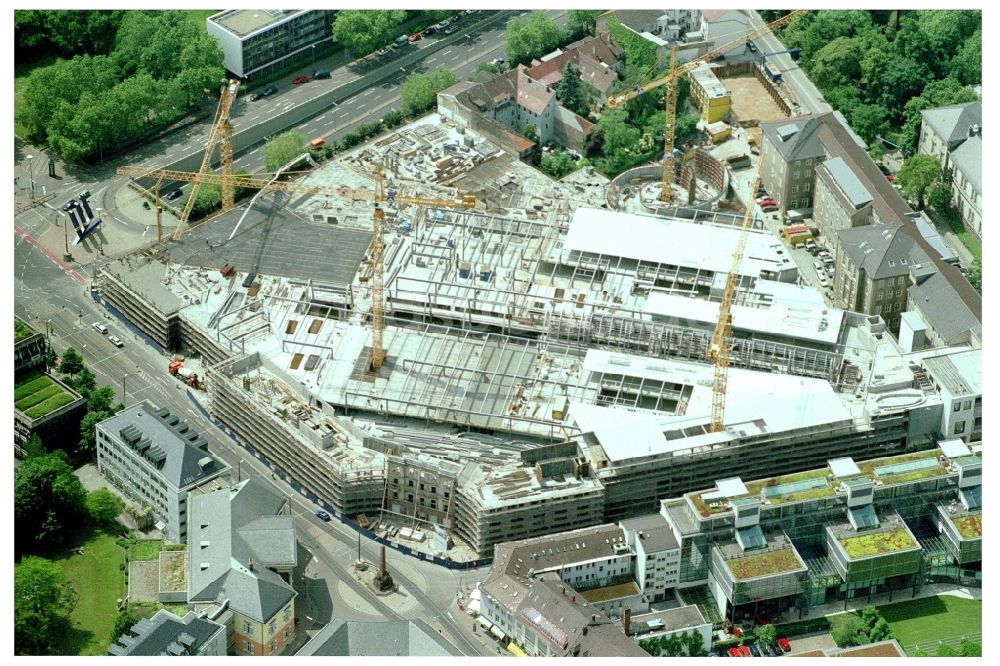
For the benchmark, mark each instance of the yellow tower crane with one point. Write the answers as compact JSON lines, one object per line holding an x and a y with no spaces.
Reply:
{"x":722,"y":338}
{"x":379,"y":196}
{"x":674,"y":72}
{"x":222,"y":134}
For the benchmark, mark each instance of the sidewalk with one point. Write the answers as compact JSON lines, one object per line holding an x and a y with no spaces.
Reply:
{"x":931,"y":590}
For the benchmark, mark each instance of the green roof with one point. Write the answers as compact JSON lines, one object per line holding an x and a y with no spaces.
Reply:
{"x":970,"y":527}
{"x":22,"y":331}
{"x":877,"y":543}
{"x":36,"y":395}
{"x":766,"y":563}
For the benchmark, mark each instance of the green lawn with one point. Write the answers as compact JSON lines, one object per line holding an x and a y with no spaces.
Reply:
{"x":99,"y":582}
{"x":146,"y":550}
{"x":933,"y":618}
{"x":198,"y":16}
{"x":36,"y":395}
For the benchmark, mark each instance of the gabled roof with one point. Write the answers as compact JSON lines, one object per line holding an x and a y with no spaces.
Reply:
{"x":400,"y":638}
{"x":852,"y":192}
{"x":575,"y":121}
{"x":532,"y":95}
{"x":167,"y":634}
{"x":638,"y":19}
{"x":796,"y":139}
{"x":968,"y":158}
{"x":952,"y":123}
{"x":881,"y":250}
{"x":943,"y":311}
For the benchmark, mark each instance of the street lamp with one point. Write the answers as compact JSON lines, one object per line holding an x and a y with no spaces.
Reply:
{"x":468,"y":50}
{"x":31,"y":175}
{"x":123,"y":387}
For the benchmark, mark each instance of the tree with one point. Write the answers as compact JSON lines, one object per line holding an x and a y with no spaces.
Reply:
{"x":685,"y":128}
{"x":364,"y":30}
{"x":570,"y":90}
{"x":49,"y":502}
{"x":104,"y":508}
{"x":946,"y":651}
{"x":694,"y":644}
{"x":967,"y":65}
{"x":42,"y":598}
{"x":880,"y":631}
{"x":582,"y":22}
{"x":939,"y":196}
{"x":419,"y":91}
{"x":531,"y":36}
{"x":852,"y":633}
{"x":837,"y":63}
{"x":974,"y":274}
{"x":34,"y":447}
{"x":918,"y":173}
{"x":870,"y":120}
{"x":82,"y":382}
{"x":123,"y":622}
{"x":971,"y":648}
{"x":766,"y":633}
{"x":530,"y":132}
{"x":283,"y":148}
{"x":557,"y":164}
{"x":100,"y":399}
{"x":71,"y":363}
{"x":640,"y":54}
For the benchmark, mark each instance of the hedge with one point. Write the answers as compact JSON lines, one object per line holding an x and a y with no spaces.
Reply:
{"x":805,"y":627}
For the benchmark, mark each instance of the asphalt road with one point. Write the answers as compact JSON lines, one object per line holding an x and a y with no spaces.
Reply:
{"x":46,"y":296}
{"x":810,"y":99}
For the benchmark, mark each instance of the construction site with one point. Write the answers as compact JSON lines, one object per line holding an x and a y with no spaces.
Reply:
{"x":431,"y":337}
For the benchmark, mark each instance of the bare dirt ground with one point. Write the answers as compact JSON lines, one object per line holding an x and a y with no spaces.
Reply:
{"x":752,"y":102}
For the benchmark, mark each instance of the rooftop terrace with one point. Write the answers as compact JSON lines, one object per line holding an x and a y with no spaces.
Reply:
{"x":756,"y":564}
{"x":971,"y":526}
{"x":877,"y":543}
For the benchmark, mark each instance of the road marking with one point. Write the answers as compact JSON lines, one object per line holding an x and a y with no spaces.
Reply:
{"x":57,"y":261}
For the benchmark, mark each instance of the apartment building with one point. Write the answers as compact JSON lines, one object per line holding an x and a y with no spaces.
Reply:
{"x":154,"y":458}
{"x":958,"y":375}
{"x":876,"y":264}
{"x":256,"y":42}
{"x":30,"y":348}
{"x":841,"y":201}
{"x":598,"y":60}
{"x":954,"y":136}
{"x":241,"y":555}
{"x":165,"y":634}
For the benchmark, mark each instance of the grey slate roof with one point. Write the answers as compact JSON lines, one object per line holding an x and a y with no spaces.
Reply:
{"x":943,"y":311}
{"x":165,"y":633}
{"x":216,"y":538}
{"x":952,"y":123}
{"x":882,"y":251}
{"x":638,"y":19}
{"x":402,"y":638}
{"x":674,"y":619}
{"x":173,"y":437}
{"x":855,"y":192}
{"x":968,"y":158}
{"x":796,"y":139}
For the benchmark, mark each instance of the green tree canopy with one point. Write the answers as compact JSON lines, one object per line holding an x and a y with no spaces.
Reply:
{"x":104,"y":508}
{"x":42,"y":599}
{"x":967,"y":65}
{"x":67,"y":32}
{"x":49,"y":503}
{"x":974,"y":274}
{"x":531,"y":36}
{"x":837,"y":63}
{"x":639,"y":56}
{"x":283,"y":148}
{"x":582,"y":22}
{"x":557,"y":164}
{"x":364,"y":30}
{"x":71,"y":362}
{"x":34,"y":447}
{"x":766,"y":633}
{"x":570,"y":91}
{"x":918,"y":173}
{"x":419,"y":91}
{"x":123,"y":622}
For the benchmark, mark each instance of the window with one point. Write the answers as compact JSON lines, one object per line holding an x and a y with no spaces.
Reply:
{"x":967,"y":405}
{"x":959,"y":428}
{"x":248,"y":647}
{"x":274,"y":646}
{"x":806,"y":186}
{"x":410,"y":483}
{"x":288,"y":614}
{"x":421,"y":486}
{"x":247,"y":628}
{"x":957,"y":407}
{"x":287,"y":633}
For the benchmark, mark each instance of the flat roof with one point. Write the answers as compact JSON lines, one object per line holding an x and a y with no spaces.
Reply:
{"x":656,"y":533}
{"x":292,"y":248}
{"x":849,"y":184}
{"x":672,"y":619}
{"x":609,"y":592}
{"x":960,"y":374}
{"x":242,"y":22}
{"x":673,"y":242}
{"x":817,"y":323}
{"x":708,"y":81}
{"x":844,"y":467}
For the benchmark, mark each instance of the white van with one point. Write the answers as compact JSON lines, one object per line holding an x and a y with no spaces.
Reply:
{"x":100,"y":328}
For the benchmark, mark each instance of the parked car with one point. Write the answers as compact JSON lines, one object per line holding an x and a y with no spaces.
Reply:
{"x":451,"y":29}
{"x":428,"y":32}
{"x":300,"y":79}
{"x":385,"y":51}
{"x":116,"y":341}
{"x":265,"y":92}
{"x":767,"y":201}
{"x":784,"y":644}
{"x":754,"y":650}
{"x":402,"y":40}
{"x":415,"y":37}
{"x":175,"y":194}
{"x":99,"y":327}
{"x":752,"y":47}
{"x":745,"y":651}
{"x":323,"y":515}
{"x":823,"y":282}
{"x":734,"y":652}
{"x":830,"y":270}
{"x":818,"y":265}
{"x":321,"y":74}
{"x":496,"y":61}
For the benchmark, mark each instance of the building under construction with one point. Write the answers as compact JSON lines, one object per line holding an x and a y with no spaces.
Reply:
{"x":542,"y":371}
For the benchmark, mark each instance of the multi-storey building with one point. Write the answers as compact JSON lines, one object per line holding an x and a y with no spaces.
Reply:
{"x":953,"y":135}
{"x":256,"y":42}
{"x":154,"y":458}
{"x":166,"y":634}
{"x":841,"y":201}
{"x":958,"y":375}
{"x":241,"y":556}
{"x":709,"y":94}
{"x":30,"y":348}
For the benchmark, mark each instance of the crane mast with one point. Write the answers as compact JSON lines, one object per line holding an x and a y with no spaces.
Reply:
{"x":722,"y":339}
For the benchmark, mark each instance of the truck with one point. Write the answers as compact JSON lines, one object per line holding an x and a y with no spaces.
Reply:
{"x":186,"y":375}
{"x":772,"y":72}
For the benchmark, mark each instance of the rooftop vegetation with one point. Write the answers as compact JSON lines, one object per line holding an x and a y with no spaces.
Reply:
{"x":877,"y":543}
{"x":21,"y":331}
{"x":970,"y":527}
{"x":764,"y":564}
{"x":37,"y":395}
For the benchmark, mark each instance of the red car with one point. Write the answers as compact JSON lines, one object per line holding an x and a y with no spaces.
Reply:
{"x":300,"y":79}
{"x":889,"y":177}
{"x":415,"y":37}
{"x":734,"y":652}
{"x":745,"y":651}
{"x":766,"y":202}
{"x":784,"y":645}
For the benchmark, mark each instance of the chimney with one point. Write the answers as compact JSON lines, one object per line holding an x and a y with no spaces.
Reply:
{"x":574,"y":599}
{"x":627,"y":621}
{"x":250,"y":564}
